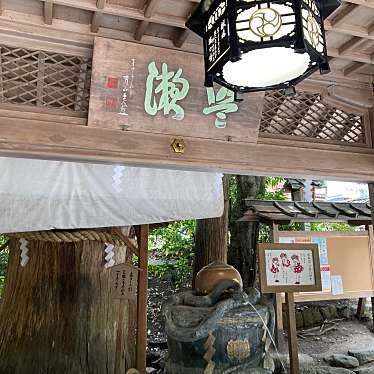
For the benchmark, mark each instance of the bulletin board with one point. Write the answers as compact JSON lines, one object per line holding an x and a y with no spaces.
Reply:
{"x":347,"y":268}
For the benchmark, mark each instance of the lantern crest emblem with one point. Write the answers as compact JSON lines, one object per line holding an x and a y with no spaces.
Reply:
{"x":265,"y":22}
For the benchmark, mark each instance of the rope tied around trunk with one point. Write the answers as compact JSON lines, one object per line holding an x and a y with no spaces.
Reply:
{"x":71,"y":236}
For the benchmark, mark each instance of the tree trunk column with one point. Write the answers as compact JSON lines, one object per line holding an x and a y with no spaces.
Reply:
{"x":57,"y":315}
{"x":211,"y":236}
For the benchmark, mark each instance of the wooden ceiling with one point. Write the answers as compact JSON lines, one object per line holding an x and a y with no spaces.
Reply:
{"x":350,"y":29}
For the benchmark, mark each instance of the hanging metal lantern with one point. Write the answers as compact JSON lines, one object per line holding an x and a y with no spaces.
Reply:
{"x":260,"y":45}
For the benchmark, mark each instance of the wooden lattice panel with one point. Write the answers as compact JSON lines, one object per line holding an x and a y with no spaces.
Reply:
{"x":44,"y":79}
{"x":307,"y":116}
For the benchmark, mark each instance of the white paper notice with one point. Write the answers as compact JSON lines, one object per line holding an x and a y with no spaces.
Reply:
{"x":326,"y":278}
{"x":337,"y":285}
{"x":286,"y":240}
{"x":322,"y":246}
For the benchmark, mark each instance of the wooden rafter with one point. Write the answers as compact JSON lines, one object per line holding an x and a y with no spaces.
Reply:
{"x":341,"y":13}
{"x":366,"y":3}
{"x":126,"y":12}
{"x":181,"y":37}
{"x":148,"y":13}
{"x":120,"y":17}
{"x":360,"y":31}
{"x":351,"y":56}
{"x":100,"y":4}
{"x":97,"y":16}
{"x":350,"y":44}
{"x":48,"y":12}
{"x":353,"y":68}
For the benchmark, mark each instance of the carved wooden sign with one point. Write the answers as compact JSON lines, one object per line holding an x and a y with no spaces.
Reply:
{"x":146,"y":89}
{"x":124,"y":282}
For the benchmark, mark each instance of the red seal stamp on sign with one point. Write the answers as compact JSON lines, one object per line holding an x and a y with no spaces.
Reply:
{"x":111,"y":103}
{"x":112,"y":82}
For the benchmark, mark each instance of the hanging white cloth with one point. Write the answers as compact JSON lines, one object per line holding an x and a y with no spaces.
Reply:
{"x":44,"y":195}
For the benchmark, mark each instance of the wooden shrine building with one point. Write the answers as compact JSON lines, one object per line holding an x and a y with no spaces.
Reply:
{"x":80,"y":81}
{"x":45,"y":84}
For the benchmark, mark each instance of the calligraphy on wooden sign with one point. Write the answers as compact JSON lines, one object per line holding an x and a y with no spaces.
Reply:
{"x":124,"y":282}
{"x":161,"y":91}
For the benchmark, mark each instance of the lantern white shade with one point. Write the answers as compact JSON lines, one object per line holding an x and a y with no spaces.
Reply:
{"x":266,"y":67}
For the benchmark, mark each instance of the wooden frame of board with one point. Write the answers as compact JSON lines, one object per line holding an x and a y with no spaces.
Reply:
{"x":265,"y":288}
{"x":318,"y":296}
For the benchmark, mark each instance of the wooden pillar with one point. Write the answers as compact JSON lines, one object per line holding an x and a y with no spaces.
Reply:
{"x":292,"y":334}
{"x":141,"y":337}
{"x":57,"y":315}
{"x":370,"y":230}
{"x":277,"y":297}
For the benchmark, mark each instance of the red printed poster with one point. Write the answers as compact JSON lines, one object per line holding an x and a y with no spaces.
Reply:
{"x":289,"y":267}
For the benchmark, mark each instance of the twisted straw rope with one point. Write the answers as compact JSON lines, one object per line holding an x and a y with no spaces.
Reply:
{"x":70,"y":236}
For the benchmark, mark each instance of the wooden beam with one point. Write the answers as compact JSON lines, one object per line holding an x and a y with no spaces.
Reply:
{"x":97,"y":16}
{"x":140,"y":30}
{"x":148,"y":12}
{"x":48,"y":12}
{"x":371,"y":29}
{"x":127,"y":12}
{"x":150,"y":8}
{"x":100,"y":4}
{"x":353,"y":30}
{"x":353,"y":68}
{"x":366,"y":59}
{"x":71,"y":33}
{"x":181,"y":38}
{"x":365,"y":3}
{"x":341,"y":13}
{"x":58,"y":141}
{"x":141,"y":333}
{"x":350,"y":44}
{"x":96,"y":21}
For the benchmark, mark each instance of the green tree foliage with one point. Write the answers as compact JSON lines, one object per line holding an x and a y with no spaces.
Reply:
{"x":337,"y":226}
{"x":273,"y":190}
{"x":172,"y":246}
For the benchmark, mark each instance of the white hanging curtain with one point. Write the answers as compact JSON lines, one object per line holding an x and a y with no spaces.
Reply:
{"x":44,"y":195}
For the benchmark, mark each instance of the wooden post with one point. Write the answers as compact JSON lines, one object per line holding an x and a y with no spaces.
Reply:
{"x":372,"y":311}
{"x":361,"y":308}
{"x":277,"y":297}
{"x":370,"y":230}
{"x":141,"y":337}
{"x":292,"y":335}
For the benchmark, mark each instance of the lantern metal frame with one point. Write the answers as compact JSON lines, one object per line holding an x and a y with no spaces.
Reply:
{"x":217,"y":23}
